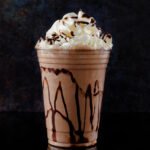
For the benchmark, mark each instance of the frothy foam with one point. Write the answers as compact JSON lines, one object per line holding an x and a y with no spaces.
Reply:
{"x":75,"y":30}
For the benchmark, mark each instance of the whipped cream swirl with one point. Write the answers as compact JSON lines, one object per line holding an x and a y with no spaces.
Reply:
{"x":75,"y":30}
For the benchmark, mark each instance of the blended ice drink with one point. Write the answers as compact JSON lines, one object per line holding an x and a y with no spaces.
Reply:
{"x":73,"y":60}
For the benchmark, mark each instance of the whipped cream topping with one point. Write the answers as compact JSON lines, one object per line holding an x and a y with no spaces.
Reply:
{"x":75,"y":30}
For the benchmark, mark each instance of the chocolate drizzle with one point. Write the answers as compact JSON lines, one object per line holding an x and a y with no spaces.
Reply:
{"x":83,"y":22}
{"x":88,"y":96}
{"x":108,"y":35}
{"x":74,"y":17}
{"x":85,"y":16}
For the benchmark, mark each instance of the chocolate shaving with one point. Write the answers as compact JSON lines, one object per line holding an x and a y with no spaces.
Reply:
{"x":103,"y":36}
{"x":54,"y":34}
{"x":85,"y":16}
{"x":56,"y":37}
{"x":63,"y":33}
{"x":61,"y":36}
{"x":83,"y":22}
{"x":74,"y":17}
{"x":99,"y":28}
{"x":66,"y":18}
{"x":72,"y":33}
{"x":40,"y":40}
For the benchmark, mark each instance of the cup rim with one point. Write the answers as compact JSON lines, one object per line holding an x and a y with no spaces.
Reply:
{"x":72,"y":50}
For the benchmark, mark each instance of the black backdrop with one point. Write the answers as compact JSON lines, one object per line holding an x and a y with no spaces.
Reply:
{"x":22,"y":22}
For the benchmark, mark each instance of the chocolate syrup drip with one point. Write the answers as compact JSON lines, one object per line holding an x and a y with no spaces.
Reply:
{"x":96,"y":86}
{"x":53,"y":111}
{"x":78,"y":110}
{"x":87,"y":94}
{"x":98,"y":114}
{"x":63,"y":100}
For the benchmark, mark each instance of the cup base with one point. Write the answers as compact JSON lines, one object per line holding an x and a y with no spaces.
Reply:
{"x":67,"y":145}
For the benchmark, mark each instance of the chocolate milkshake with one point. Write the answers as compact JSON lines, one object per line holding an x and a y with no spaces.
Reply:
{"x":73,"y":60}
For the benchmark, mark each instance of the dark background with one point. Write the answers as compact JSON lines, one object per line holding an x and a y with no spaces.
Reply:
{"x":22,"y":22}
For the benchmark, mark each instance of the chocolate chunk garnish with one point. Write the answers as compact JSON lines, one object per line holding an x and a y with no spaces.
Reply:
{"x":83,"y":22}
{"x":55,"y":38}
{"x":109,"y":36}
{"x":66,"y":18}
{"x":50,"y":41}
{"x":92,"y":20}
{"x":72,"y":33}
{"x":85,"y":16}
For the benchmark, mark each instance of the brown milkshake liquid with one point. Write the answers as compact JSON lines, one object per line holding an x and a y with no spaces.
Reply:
{"x":73,"y":60}
{"x":72,"y":89}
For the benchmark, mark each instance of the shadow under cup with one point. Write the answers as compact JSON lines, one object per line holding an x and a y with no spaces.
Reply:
{"x":73,"y":83}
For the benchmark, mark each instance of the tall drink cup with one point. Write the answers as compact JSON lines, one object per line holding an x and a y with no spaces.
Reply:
{"x":73,"y":84}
